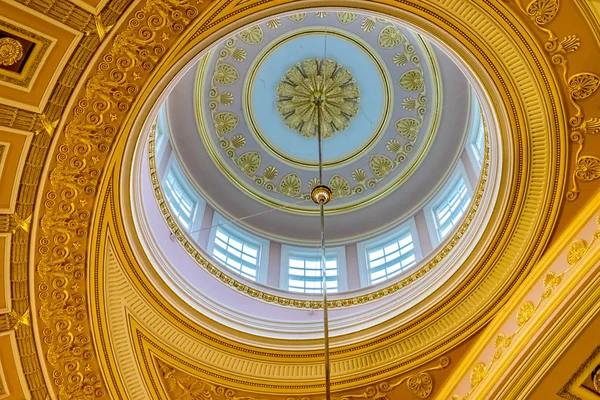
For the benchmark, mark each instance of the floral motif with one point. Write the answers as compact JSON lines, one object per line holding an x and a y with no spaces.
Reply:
{"x":525,"y":312}
{"x":542,"y":11}
{"x":400,"y":59}
{"x":321,"y":14}
{"x":274,"y":23}
{"x":394,"y":146}
{"x":390,"y":37}
{"x":306,"y":81}
{"x":408,"y":128}
{"x":409,"y":104}
{"x":249,"y":162}
{"x":588,"y":168}
{"x":584,"y":85}
{"x":577,"y":250}
{"x":339,"y":186}
{"x":420,"y":385}
{"x":381,"y":166}
{"x":226,"y":74}
{"x":359,"y":175}
{"x":270,"y":173}
{"x":368,"y":24}
{"x":238,"y":141}
{"x":478,"y":373}
{"x":411,"y":80}
{"x":239,"y":54}
{"x":290,"y":185}
{"x":225,"y":98}
{"x":11,"y":51}
{"x":297,"y":18}
{"x":225,"y":122}
{"x":252,"y":35}
{"x":346,"y":17}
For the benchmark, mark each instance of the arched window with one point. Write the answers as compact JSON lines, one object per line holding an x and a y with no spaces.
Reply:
{"x":449,"y":211}
{"x":182,"y":202}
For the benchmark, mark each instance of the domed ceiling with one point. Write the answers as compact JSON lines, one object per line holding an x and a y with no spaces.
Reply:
{"x":383,"y":87}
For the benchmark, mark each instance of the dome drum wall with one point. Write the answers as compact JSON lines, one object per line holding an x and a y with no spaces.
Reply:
{"x":526,"y":193}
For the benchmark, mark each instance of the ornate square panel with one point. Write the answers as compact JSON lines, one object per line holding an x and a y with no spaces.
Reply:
{"x":33,"y":51}
{"x":12,"y":380}
{"x":14,"y":146}
{"x":585,"y":383}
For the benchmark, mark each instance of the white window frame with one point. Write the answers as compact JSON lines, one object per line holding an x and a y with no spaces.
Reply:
{"x":338,"y":252}
{"x":475,"y":127}
{"x":363,"y":247}
{"x":262,"y":267}
{"x":199,"y":203}
{"x":161,"y":135}
{"x":430,"y":217}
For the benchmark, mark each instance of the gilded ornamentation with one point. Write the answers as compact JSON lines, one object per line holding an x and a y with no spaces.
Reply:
{"x":346,"y":17}
{"x":580,"y":86}
{"x":576,"y":251}
{"x":543,"y":11}
{"x":596,"y":378}
{"x":588,"y":168}
{"x":274,"y":23}
{"x":225,"y":122}
{"x":412,"y":80}
{"x":478,"y":373}
{"x":239,"y":54}
{"x":311,"y":79}
{"x":252,"y":35}
{"x":390,"y":37}
{"x":339,"y":186}
{"x":362,"y":180}
{"x":11,"y":51}
{"x":249,"y":162}
{"x":368,"y":24}
{"x":381,"y":166}
{"x":583,"y":86}
{"x":297,"y":18}
{"x":24,"y":319}
{"x":290,"y":185}
{"x":420,"y":385}
{"x":408,"y":128}
{"x":321,"y":14}
{"x":337,"y":116}
{"x":226,"y":74}
{"x":400,"y":59}
{"x":527,"y":310}
{"x":73,"y":180}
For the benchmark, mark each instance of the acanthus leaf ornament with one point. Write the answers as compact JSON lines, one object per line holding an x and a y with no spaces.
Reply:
{"x":314,"y":78}
{"x":11,"y":51}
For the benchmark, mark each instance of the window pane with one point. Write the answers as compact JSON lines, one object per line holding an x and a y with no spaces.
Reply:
{"x":306,"y":274}
{"x":397,"y":252}
{"x":235,"y":254}
{"x":450,"y":212}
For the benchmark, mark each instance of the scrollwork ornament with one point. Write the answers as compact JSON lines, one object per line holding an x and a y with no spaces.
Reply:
{"x":543,"y":11}
{"x":107,"y":96}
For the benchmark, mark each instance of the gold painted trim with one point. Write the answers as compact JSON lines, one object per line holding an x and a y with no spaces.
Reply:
{"x":432,"y":132}
{"x":222,"y":275}
{"x":280,"y":41}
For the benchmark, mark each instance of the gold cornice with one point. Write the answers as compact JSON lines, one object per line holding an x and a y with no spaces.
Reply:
{"x":455,"y":298}
{"x":66,"y":151}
